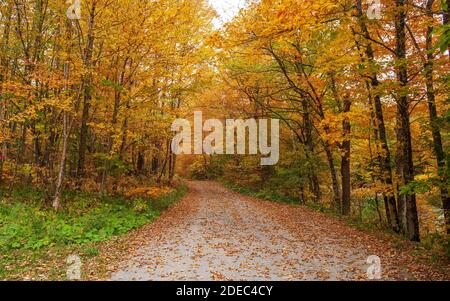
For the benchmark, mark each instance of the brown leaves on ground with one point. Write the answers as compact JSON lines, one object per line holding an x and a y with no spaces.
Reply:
{"x":401,"y":259}
{"x":216,"y":234}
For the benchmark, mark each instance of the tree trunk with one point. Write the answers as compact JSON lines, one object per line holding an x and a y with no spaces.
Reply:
{"x":307,"y":128}
{"x":446,"y":19}
{"x":172,"y":167}
{"x":87,"y":95}
{"x":166,"y":159}
{"x":140,"y":163}
{"x":62,"y":165}
{"x":4,"y":67}
{"x":384,"y":157}
{"x":156,"y":158}
{"x":404,"y":146}
{"x":67,"y":128}
{"x":334,"y":178}
{"x":434,"y":120}
{"x":123,"y":145}
{"x":345,"y":165}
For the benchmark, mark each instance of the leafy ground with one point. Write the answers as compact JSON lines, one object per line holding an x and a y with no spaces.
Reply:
{"x":35,"y":240}
{"x":213,"y":233}
{"x":366,"y":215}
{"x":217,"y":234}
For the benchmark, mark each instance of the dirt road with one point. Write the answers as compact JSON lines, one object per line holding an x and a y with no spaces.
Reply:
{"x":216,"y":234}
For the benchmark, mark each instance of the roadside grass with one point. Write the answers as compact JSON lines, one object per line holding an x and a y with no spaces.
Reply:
{"x":32,"y":233}
{"x":275,"y":197}
{"x":262,"y":194}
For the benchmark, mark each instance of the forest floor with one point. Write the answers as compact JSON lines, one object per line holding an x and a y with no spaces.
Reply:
{"x":216,"y":234}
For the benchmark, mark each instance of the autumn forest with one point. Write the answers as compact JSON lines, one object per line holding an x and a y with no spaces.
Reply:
{"x":89,"y":90}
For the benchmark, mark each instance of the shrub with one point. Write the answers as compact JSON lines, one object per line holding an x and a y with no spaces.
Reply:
{"x":26,"y":223}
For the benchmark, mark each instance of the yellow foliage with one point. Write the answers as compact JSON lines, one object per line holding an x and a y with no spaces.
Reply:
{"x":151,"y":192}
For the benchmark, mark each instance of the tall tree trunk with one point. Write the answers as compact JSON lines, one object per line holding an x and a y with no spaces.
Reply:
{"x":67,"y":128}
{"x":307,"y":128}
{"x":4,"y":67}
{"x":62,"y":165}
{"x":446,"y":18}
{"x":22,"y":145}
{"x":434,"y":120}
{"x":156,"y":158}
{"x":404,"y":146}
{"x":140,"y":162}
{"x":164,"y":166}
{"x":334,"y":178}
{"x":123,"y":144}
{"x":345,"y":165}
{"x":173,"y":161}
{"x":37,"y":33}
{"x":84,"y":128}
{"x":384,"y":157}
{"x":88,"y":51}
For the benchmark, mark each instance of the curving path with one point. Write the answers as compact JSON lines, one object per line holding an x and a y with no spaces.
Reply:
{"x":216,"y":234}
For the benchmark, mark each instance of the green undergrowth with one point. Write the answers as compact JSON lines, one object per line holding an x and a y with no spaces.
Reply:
{"x":28,"y":224}
{"x":275,"y":197}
